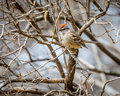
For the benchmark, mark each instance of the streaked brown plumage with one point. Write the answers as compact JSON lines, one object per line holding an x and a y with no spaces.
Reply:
{"x":70,"y":39}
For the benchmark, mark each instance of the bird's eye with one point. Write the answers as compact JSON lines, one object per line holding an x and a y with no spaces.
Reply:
{"x":61,"y":29}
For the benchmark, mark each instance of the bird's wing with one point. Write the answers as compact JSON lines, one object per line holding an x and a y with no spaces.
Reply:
{"x":74,"y":36}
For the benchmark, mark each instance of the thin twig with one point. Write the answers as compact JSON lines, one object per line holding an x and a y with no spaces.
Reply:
{"x":57,"y":22}
{"x":44,"y":64}
{"x":107,"y":83}
{"x":85,"y":26}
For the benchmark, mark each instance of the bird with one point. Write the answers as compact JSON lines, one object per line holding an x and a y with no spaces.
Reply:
{"x":70,"y":39}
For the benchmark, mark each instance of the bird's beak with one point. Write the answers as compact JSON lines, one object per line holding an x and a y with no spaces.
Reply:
{"x":85,"y":46}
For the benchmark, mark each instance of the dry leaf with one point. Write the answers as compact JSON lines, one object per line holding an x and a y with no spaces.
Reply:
{"x":45,"y":15}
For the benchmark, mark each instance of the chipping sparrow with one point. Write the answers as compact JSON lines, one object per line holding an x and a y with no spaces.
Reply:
{"x":70,"y":38}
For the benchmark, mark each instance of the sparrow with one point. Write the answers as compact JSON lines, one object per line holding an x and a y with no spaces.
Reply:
{"x":70,"y":38}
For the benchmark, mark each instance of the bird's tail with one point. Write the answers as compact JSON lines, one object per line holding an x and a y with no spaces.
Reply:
{"x":94,"y":42}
